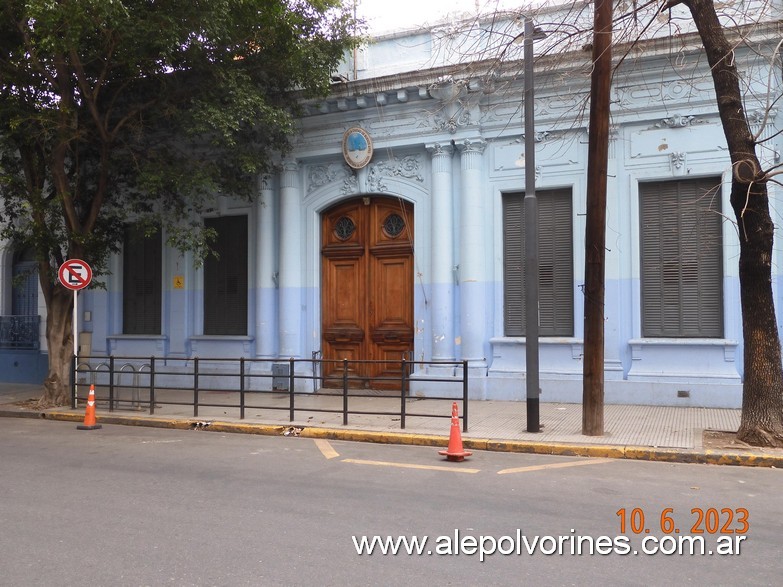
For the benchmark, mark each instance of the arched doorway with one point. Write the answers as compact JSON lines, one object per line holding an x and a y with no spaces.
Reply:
{"x":367,"y":273}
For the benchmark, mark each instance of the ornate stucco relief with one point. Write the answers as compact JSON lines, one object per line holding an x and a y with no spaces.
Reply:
{"x":672,"y":92}
{"x":682,"y":140}
{"x":556,"y":151}
{"x":679,"y":121}
{"x":350,"y":186}
{"x":321,"y":175}
{"x":677,"y":160}
{"x":408,"y":167}
{"x":451,"y":124}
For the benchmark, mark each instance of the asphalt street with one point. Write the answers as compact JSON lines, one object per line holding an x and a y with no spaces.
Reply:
{"x":143,"y":506}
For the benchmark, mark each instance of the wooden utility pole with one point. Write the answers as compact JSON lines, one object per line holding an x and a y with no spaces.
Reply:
{"x":595,"y":233}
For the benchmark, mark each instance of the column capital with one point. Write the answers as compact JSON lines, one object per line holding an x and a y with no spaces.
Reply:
{"x":264,"y":182}
{"x":289,"y":173}
{"x":472,"y":146}
{"x":440,"y":149}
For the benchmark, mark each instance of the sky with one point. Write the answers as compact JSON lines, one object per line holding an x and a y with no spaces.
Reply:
{"x":388,"y":15}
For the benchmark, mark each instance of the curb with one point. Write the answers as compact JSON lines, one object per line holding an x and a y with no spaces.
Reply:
{"x":756,"y":458}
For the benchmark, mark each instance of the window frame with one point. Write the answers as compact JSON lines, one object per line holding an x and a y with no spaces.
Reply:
{"x":668,"y":259}
{"x":556,"y":263}
{"x":142,"y":265}
{"x":226,"y":279}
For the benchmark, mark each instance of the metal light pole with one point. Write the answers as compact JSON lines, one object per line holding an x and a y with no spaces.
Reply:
{"x":531,"y":240}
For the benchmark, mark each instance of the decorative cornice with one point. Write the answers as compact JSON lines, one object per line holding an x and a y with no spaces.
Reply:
{"x":448,"y":90}
{"x":642,"y":95}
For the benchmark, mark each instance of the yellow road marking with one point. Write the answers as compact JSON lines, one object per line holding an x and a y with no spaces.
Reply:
{"x":554,"y":466}
{"x":410,"y":466}
{"x":326,"y":448}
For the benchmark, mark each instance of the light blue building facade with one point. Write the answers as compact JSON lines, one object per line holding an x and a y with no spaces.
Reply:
{"x":445,"y":161}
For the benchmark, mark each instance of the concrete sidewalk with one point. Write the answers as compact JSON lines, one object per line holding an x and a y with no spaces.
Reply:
{"x":639,"y":432}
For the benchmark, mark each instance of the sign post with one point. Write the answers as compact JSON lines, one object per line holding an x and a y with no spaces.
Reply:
{"x":75,"y":274}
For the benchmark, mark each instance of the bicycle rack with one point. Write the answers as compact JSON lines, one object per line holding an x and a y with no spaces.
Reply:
{"x":316,"y":375}
{"x":76,"y":381}
{"x":89,"y":370}
{"x":135,"y":401}
{"x":93,"y":373}
{"x":138,"y":387}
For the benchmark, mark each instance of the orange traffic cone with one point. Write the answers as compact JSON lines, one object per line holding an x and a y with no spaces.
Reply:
{"x":455,"y":452}
{"x":89,"y":413}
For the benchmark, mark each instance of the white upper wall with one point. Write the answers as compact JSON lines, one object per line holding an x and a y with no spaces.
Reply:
{"x":568,"y":27}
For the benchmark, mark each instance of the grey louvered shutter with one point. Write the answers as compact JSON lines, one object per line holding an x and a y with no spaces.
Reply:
{"x":555,"y":275}
{"x":513,"y":266}
{"x":142,"y":281}
{"x":555,"y":264}
{"x":225,"y":278}
{"x":681,"y":259}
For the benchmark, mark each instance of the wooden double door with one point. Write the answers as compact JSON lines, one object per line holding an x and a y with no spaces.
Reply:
{"x":367,"y":290}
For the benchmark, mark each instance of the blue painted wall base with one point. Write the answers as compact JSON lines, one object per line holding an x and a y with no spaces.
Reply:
{"x":23,"y":366}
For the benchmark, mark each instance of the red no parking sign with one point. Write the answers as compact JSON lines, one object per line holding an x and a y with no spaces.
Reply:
{"x":75,"y":274}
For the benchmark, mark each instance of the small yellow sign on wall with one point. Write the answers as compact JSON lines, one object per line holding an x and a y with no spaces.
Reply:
{"x":179,"y":282}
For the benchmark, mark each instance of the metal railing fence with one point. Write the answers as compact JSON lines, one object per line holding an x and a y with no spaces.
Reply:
{"x":20,"y":332}
{"x":151,"y":382}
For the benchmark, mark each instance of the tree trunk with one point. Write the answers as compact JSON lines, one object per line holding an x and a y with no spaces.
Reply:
{"x":59,"y":337}
{"x":595,"y":230}
{"x":762,"y":394}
